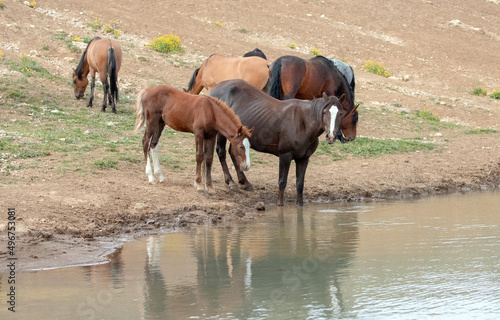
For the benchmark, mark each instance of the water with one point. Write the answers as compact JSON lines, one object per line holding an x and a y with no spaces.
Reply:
{"x":435,"y":258}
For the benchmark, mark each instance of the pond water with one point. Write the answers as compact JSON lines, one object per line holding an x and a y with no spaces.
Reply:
{"x":433,"y":258}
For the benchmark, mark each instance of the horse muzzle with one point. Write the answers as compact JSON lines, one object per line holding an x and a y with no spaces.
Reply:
{"x":330,"y":138}
{"x":79,"y":95}
{"x":244,"y":166}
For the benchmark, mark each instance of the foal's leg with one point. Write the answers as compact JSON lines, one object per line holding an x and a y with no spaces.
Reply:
{"x":209,"y":146}
{"x":300,"y":173}
{"x":221,"y":152}
{"x":285,"y":161}
{"x":242,"y":179}
{"x":199,"y":137}
{"x":150,"y":146}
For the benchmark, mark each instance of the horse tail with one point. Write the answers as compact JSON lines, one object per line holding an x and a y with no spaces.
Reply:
{"x":275,"y":89}
{"x":140,"y":120}
{"x":193,"y":80}
{"x":113,"y":74}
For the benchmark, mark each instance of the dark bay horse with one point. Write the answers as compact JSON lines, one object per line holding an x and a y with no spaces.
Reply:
{"x":288,"y":129}
{"x":294,"y":77}
{"x":105,"y":57}
{"x":255,"y":53}
{"x":203,"y":116}
{"x":217,"y":68}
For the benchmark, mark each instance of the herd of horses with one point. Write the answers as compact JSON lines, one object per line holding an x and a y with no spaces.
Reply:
{"x":280,"y":109}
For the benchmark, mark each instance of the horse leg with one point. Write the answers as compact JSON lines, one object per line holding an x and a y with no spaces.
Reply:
{"x":198,"y":136}
{"x":150,"y":144}
{"x":242,"y":179}
{"x":209,"y":146}
{"x":300,"y":173}
{"x":221,"y":153}
{"x":284,"y":167}
{"x":92,"y":86}
{"x":105,"y":88}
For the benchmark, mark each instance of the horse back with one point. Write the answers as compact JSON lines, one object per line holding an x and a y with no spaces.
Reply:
{"x":219,"y":68}
{"x":97,"y":55}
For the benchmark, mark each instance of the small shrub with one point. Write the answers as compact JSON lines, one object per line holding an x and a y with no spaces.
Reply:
{"x":495,"y":94}
{"x":376,"y":68}
{"x":96,"y":24}
{"x":243,"y":30}
{"x":315,"y":52}
{"x":1,"y":54}
{"x":1,"y":4}
{"x":30,"y":4}
{"x":479,"y":91}
{"x":166,"y":44}
{"x":218,"y":23}
{"x":113,"y":27}
{"x":292,"y":45}
{"x":427,"y":115}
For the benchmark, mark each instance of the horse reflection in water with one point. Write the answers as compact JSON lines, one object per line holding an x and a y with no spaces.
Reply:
{"x":287,"y":129}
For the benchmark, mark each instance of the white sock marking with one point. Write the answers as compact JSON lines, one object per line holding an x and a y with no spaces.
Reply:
{"x":246,"y":143}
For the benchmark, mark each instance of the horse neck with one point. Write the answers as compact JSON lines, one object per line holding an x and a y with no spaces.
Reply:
{"x":225,"y":122}
{"x":315,"y":123}
{"x":83,"y":68}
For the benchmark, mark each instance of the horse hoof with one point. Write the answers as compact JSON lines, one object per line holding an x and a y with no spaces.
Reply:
{"x":232,"y":186}
{"x":103,"y":110}
{"x":248,"y":187}
{"x":280,"y":204}
{"x":201,"y":191}
{"x":114,"y":111}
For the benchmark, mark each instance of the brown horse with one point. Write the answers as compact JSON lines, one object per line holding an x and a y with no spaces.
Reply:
{"x":217,"y":68}
{"x":203,"y":116}
{"x":103,"y":56}
{"x":294,"y":77}
{"x":288,"y":129}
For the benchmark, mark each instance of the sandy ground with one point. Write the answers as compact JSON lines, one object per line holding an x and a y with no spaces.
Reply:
{"x":437,"y":52}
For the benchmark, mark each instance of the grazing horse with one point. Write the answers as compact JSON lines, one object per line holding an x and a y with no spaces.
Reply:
{"x":203,"y":116}
{"x":103,"y":56}
{"x":288,"y":129}
{"x":255,"y":53}
{"x":294,"y":77}
{"x":217,"y":68}
{"x":347,"y":72}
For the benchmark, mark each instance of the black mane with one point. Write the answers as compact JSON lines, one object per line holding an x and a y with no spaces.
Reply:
{"x":79,"y":68}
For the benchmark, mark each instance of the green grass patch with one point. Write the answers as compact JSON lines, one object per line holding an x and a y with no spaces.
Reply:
{"x":481,"y":131}
{"x":368,"y":147}
{"x":105,"y":164}
{"x":426,"y":115}
{"x":479,"y":91}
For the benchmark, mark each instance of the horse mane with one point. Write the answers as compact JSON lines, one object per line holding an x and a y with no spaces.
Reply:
{"x":234,"y":118}
{"x":193,"y":79}
{"x":82,"y":59}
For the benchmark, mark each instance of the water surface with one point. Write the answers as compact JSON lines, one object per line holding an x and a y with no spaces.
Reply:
{"x":434,"y":258}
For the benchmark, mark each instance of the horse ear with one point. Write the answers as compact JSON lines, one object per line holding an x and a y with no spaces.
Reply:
{"x":342,"y":98}
{"x":325,"y":97}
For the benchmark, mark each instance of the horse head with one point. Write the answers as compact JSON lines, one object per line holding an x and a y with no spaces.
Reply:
{"x":79,"y":84}
{"x":331,"y":117}
{"x":240,"y":147}
{"x":347,"y":132}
